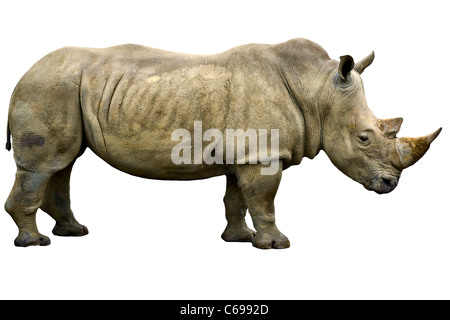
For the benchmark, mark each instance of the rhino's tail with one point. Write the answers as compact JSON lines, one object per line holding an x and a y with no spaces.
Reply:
{"x":8,"y":137}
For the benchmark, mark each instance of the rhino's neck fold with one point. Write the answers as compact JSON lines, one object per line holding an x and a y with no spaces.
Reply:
{"x":306,"y":104}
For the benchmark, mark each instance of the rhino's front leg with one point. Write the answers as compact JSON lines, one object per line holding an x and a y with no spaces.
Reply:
{"x":259,"y":193}
{"x":235,"y":210}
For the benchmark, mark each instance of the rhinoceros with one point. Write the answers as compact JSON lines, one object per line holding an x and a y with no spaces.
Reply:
{"x":126,"y":102}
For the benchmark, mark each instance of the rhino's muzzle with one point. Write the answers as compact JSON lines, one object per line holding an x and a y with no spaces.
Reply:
{"x":383,"y":184}
{"x":388,"y":184}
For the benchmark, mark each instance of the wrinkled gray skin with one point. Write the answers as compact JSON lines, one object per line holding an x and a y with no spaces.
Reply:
{"x":124,"y":102}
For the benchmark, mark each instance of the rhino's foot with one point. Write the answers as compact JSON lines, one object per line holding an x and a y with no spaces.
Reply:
{"x":25,"y":239}
{"x":241,"y":234}
{"x":267,"y":240}
{"x":75,"y":230}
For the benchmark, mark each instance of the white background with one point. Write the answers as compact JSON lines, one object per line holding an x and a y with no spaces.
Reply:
{"x":161,"y":240}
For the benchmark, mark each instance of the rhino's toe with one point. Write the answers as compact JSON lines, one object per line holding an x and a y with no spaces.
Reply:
{"x":283,"y":244}
{"x":44,"y":240}
{"x":244,"y":234}
{"x":271,"y":241}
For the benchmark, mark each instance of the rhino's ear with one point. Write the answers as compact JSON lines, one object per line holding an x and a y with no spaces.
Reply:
{"x":364,"y":63}
{"x":390,"y":127}
{"x":346,"y":65}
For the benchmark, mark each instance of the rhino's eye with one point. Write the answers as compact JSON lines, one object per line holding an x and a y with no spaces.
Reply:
{"x":364,"y":138}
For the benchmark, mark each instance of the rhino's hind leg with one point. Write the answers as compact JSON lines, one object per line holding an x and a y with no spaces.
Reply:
{"x":235,"y":210}
{"x":22,"y":204}
{"x":56,"y":203}
{"x":259,"y":192}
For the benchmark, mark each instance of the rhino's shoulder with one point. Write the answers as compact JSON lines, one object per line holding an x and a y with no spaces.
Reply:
{"x":302,"y":47}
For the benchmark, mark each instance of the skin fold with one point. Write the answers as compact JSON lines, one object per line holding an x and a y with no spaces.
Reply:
{"x":124,"y":103}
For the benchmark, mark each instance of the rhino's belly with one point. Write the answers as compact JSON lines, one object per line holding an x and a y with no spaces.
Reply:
{"x":152,"y":159}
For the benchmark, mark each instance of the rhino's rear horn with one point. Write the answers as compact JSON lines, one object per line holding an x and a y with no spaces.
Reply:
{"x":364,"y":63}
{"x":390,"y":127}
{"x":410,"y":150}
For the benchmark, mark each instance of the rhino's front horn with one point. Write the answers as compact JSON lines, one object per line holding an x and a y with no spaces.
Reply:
{"x":410,"y":150}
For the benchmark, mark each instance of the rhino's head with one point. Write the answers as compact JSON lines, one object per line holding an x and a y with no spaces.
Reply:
{"x":362,"y":146}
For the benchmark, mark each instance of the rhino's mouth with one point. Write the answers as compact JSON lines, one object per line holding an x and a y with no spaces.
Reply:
{"x":383,"y":184}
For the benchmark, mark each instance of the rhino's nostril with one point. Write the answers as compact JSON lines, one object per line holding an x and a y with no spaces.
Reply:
{"x":390,"y":182}
{"x":386,"y":181}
